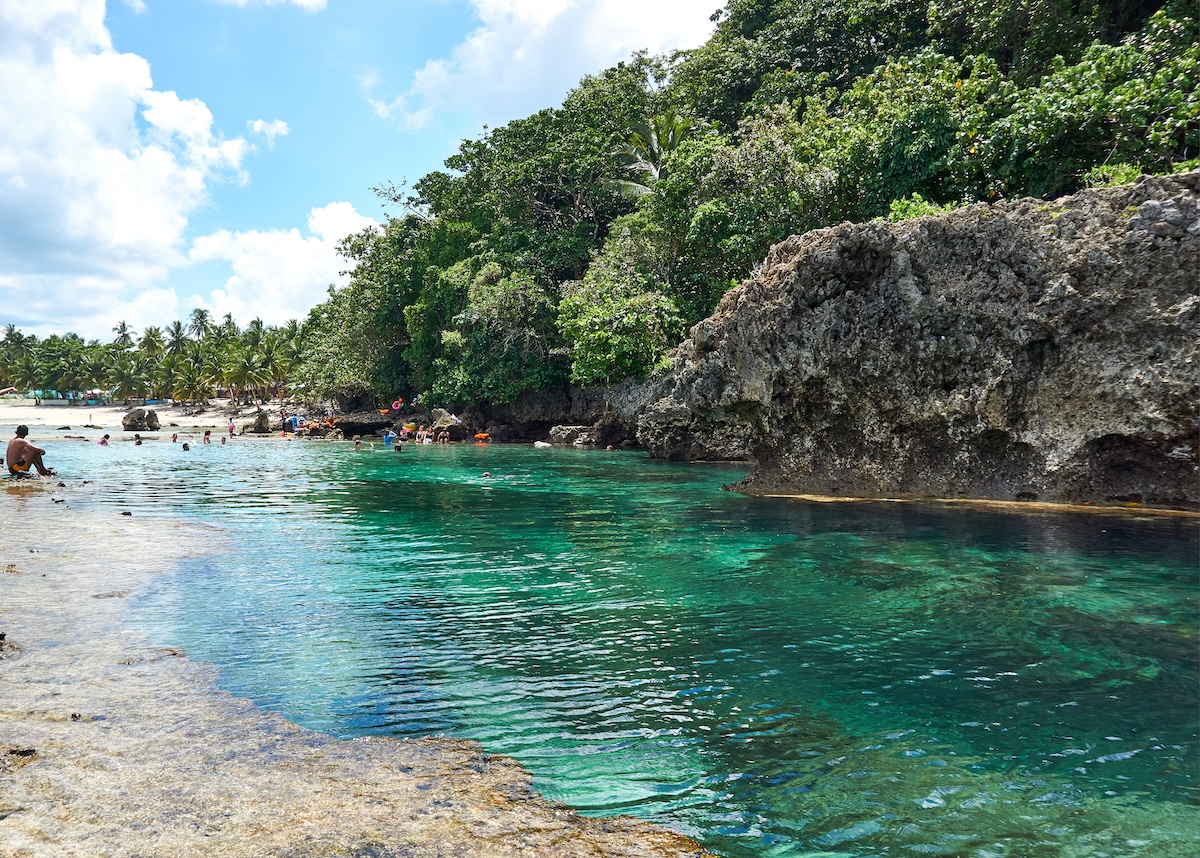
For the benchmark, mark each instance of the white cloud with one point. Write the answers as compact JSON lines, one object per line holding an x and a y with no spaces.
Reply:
{"x":270,"y":130}
{"x":279,"y":274}
{"x":99,"y":172}
{"x":138,"y":6}
{"x":526,"y":54}
{"x":306,"y":5}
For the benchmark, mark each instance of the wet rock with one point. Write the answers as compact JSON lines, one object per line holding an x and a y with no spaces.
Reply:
{"x":1026,"y":349}
{"x":361,"y":423}
{"x":611,"y":410}
{"x":140,"y":420}
{"x":444,"y":421}
{"x":8,"y":649}
{"x":578,"y":435}
{"x":260,"y":426}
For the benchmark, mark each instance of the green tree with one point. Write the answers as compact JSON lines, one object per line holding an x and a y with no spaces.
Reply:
{"x":618,"y":321}
{"x":152,"y":343}
{"x":646,"y":152}
{"x":200,"y":323}
{"x":501,"y":343}
{"x":123,"y":338}
{"x":176,"y":338}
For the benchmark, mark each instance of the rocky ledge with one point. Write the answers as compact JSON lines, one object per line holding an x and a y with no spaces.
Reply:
{"x":112,"y":746}
{"x":1024,"y":350}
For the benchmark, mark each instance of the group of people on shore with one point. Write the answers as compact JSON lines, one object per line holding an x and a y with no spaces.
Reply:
{"x":298,"y":425}
{"x":394,"y":440}
{"x":426,"y":435}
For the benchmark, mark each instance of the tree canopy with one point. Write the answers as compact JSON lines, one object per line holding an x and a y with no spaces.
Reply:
{"x":580,"y":243}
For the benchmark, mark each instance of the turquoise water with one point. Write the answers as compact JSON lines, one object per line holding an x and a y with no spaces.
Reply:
{"x":776,"y":678}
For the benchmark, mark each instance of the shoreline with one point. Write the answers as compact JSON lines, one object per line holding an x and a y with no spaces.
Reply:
{"x":110,"y":745}
{"x":108,"y":417}
{"x":1017,"y":507}
{"x":48,"y":419}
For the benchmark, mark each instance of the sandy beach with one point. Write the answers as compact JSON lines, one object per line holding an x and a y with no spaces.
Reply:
{"x":54,"y":417}
{"x":111,"y":746}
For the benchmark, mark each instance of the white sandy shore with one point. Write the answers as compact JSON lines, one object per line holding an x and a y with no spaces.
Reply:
{"x":49,"y":416}
{"x":110,"y":746}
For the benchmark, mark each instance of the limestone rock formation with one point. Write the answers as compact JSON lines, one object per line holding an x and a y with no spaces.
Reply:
{"x":1015,"y":351}
{"x":610,"y":411}
{"x":579,"y":436}
{"x":260,"y":426}
{"x":362,"y":423}
{"x":140,"y":420}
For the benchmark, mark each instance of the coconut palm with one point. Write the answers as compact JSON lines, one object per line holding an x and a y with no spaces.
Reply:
{"x":192,"y":382}
{"x":127,"y":376}
{"x":25,"y":373}
{"x":254,"y":333}
{"x":200,"y":323}
{"x":176,"y":338}
{"x":229,"y":328}
{"x":646,"y":151}
{"x":164,"y":373}
{"x":94,"y":369}
{"x":123,"y":338}
{"x":245,"y":371}
{"x":13,"y":346}
{"x":152,"y":343}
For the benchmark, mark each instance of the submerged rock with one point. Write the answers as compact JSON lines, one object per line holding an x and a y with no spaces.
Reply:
{"x":139,"y":754}
{"x":1024,"y":350}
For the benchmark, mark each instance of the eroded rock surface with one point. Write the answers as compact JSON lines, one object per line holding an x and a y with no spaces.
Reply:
{"x":140,"y":420}
{"x":1017,"y":351}
{"x":110,"y":746}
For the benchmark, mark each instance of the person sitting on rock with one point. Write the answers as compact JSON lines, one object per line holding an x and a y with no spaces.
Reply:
{"x":22,"y":455}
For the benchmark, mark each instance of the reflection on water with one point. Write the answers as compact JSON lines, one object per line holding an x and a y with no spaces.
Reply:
{"x":776,"y":678}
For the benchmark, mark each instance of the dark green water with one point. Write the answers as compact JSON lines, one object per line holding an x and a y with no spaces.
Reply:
{"x":775,"y":678}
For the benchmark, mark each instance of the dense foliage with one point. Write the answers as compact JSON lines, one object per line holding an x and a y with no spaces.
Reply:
{"x":188,"y":363}
{"x":579,"y":243}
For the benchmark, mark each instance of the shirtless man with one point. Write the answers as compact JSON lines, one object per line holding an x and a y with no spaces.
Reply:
{"x":22,"y":455}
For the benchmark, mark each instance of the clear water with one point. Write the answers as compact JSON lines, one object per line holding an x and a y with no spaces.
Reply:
{"x":776,"y":678}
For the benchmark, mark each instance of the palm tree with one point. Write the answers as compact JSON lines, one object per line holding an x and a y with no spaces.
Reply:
{"x":177,"y":338}
{"x":94,"y":370}
{"x":25,"y":373}
{"x":152,"y":343}
{"x":254,"y":333}
{"x":200,"y":323}
{"x":229,"y":328}
{"x":245,"y":371}
{"x":192,"y":382}
{"x":646,"y":151}
{"x":127,"y":376}
{"x":123,"y":339}
{"x":13,"y":346}
{"x":164,"y":373}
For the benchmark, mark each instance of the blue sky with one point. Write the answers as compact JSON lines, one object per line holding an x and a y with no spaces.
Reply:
{"x":161,"y":155}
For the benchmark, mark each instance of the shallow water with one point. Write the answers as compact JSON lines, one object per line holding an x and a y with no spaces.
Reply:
{"x":776,"y":678}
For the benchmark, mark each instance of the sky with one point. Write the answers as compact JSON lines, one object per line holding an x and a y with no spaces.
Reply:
{"x":158,"y":156}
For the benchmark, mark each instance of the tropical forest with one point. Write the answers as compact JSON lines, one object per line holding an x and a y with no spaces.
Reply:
{"x":579,"y":244}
